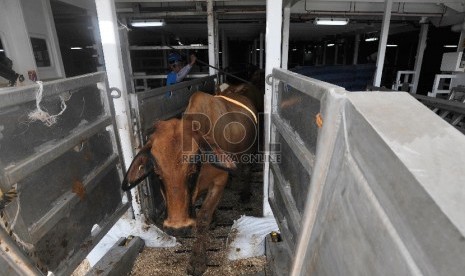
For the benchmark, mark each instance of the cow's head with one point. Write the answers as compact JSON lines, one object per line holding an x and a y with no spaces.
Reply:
{"x":175,"y":165}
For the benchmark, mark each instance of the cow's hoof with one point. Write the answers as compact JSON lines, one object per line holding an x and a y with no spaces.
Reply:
{"x":179,"y":232}
{"x":196,"y":266}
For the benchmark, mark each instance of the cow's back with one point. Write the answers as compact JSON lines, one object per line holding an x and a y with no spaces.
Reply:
{"x":232,"y":126}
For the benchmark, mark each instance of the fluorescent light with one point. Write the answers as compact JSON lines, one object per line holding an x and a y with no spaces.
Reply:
{"x":76,"y":48}
{"x":257,"y":49}
{"x":331,"y":21}
{"x":1,"y":50}
{"x":391,"y":45}
{"x":330,"y":45}
{"x":294,"y":49}
{"x":450,"y":46}
{"x":197,"y":45}
{"x":371,"y":39}
{"x":148,"y":23}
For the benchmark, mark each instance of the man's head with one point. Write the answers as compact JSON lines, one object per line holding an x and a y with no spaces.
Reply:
{"x":175,"y":62}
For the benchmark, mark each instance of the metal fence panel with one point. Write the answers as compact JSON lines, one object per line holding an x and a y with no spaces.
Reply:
{"x":384,"y":191}
{"x":67,"y":176}
{"x":161,"y":104}
{"x":296,"y":103}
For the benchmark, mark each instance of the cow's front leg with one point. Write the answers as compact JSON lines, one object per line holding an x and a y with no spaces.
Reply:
{"x":198,"y":259}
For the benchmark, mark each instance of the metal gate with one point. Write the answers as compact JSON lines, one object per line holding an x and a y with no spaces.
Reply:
{"x":161,"y":104}
{"x":66,"y":177}
{"x":366,"y":183}
{"x":298,"y":103}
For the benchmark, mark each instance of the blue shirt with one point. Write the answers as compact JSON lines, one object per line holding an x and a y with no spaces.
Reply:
{"x":171,"y":78}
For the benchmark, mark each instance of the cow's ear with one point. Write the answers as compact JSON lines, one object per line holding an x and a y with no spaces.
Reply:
{"x":214,"y":154}
{"x":141,"y":166}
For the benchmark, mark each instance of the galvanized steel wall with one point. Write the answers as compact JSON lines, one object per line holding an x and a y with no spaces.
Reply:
{"x":67,"y":176}
{"x":377,"y":190}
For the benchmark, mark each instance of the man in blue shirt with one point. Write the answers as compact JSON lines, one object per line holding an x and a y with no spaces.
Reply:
{"x":178,"y":72}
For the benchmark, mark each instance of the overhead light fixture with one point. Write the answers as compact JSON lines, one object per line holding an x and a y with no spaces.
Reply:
{"x":294,"y":49}
{"x":331,"y":21}
{"x":371,"y":39}
{"x":391,"y":45}
{"x":450,"y":46}
{"x":197,"y":45}
{"x":148,"y":23}
{"x":1,"y":50}
{"x":330,"y":45}
{"x":76,"y":48}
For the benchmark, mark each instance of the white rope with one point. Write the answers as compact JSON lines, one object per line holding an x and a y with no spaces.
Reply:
{"x":45,"y":117}
{"x":18,"y":210}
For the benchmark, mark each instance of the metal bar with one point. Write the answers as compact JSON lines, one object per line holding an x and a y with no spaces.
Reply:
{"x":289,"y":202}
{"x":312,"y":87}
{"x":336,"y":52}
{"x":285,"y":43}
{"x":225,"y":49}
{"x":211,"y":37}
{"x":12,"y":259}
{"x":461,"y":44}
{"x":139,"y":48}
{"x":306,"y":158}
{"x":151,"y":77}
{"x":174,"y":87}
{"x":18,"y":95}
{"x":382,"y":43}
{"x":64,"y":204}
{"x":453,"y":106}
{"x":164,"y":14}
{"x":67,"y":267}
{"x":255,"y":52}
{"x":274,"y":15}
{"x":119,"y":259}
{"x":324,"y":53}
{"x":48,"y":153}
{"x":420,"y":52}
{"x":113,"y":60}
{"x":262,"y":50}
{"x":356,"y":46}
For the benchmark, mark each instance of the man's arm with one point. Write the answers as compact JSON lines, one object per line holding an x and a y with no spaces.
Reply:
{"x":186,"y":69}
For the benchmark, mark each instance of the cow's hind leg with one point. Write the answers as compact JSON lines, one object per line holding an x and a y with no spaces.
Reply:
{"x":198,"y":260}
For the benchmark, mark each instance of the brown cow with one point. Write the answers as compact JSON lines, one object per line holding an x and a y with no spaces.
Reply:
{"x":213,"y":134}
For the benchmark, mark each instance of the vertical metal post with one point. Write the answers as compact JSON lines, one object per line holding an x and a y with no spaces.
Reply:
{"x":382,"y":42}
{"x":224,"y":46}
{"x":420,"y":51}
{"x":323,"y":61}
{"x":336,"y":52}
{"x":460,"y":45}
{"x":211,"y":37}
{"x":274,"y":15}
{"x":262,"y":40}
{"x":286,"y":23}
{"x":106,"y":13}
{"x":356,"y":46}
{"x":217,"y":43}
{"x":13,"y":261}
{"x":255,"y":52}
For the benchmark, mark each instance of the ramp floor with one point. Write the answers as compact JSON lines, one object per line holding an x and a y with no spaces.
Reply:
{"x":173,"y":261}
